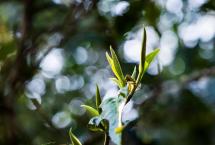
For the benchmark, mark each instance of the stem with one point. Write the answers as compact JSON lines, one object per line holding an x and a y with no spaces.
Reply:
{"x":107,"y":139}
{"x":131,"y":93}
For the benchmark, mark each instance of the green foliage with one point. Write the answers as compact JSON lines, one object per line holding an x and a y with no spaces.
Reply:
{"x":112,"y":112}
{"x":116,"y":68}
{"x":80,"y":31}
{"x":109,"y":118}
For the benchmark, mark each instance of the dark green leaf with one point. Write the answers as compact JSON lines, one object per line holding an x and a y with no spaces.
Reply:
{"x":143,"y":51}
{"x":98,"y":99}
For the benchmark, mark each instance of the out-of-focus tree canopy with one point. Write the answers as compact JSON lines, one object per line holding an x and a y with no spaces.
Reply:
{"x":52,"y":55}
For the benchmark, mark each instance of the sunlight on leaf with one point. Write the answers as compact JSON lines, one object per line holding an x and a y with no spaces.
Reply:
{"x":93,"y":112}
{"x":116,"y":68}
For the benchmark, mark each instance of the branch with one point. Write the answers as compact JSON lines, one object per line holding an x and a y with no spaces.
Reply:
{"x":197,"y":75}
{"x":183,"y":81}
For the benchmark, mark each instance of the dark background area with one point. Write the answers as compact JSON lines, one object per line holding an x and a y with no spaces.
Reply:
{"x":52,"y":54}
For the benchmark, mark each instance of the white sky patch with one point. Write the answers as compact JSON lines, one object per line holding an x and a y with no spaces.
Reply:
{"x":62,"y":84}
{"x":36,"y":85}
{"x":129,"y":113}
{"x":81,"y":55}
{"x":75,"y":107}
{"x":110,"y":93}
{"x":168,"y":46}
{"x":195,"y":4}
{"x":120,"y":8}
{"x":76,"y":82}
{"x":113,"y":7}
{"x":53,"y":63}
{"x":174,"y":6}
{"x":61,"y":119}
{"x":132,"y":50}
{"x":203,"y":29}
{"x":132,"y":46}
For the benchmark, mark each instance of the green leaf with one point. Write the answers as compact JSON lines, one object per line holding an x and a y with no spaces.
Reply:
{"x":73,"y":138}
{"x":117,"y":82}
{"x":110,"y":60}
{"x":98,"y":99}
{"x":134,"y":74}
{"x":143,"y":51}
{"x":112,"y":108}
{"x":96,"y":124}
{"x":142,"y":57}
{"x":149,"y":58}
{"x":93,"y":112}
{"x":116,"y":68}
{"x":152,"y":55}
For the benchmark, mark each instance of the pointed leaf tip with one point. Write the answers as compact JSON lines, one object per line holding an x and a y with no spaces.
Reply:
{"x":134,"y":74}
{"x":143,"y":50}
{"x":93,"y":112}
{"x":118,"y":69}
{"x":98,"y":98}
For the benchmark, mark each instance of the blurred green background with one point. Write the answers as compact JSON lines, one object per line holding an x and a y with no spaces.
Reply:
{"x":52,"y":53}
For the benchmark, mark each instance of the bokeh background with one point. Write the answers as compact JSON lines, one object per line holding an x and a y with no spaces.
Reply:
{"x":52,"y":54}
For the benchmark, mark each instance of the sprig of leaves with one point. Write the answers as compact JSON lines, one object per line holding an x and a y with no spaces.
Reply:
{"x":107,"y":117}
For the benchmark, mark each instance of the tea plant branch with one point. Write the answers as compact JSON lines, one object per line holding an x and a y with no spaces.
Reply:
{"x":107,"y":117}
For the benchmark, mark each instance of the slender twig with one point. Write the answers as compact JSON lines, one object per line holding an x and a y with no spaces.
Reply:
{"x":197,"y":75}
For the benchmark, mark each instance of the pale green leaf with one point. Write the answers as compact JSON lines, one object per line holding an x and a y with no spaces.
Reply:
{"x":149,"y":58}
{"x":134,"y":74}
{"x":117,"y":66}
{"x":112,"y":108}
{"x":93,"y":112}
{"x":111,"y":63}
{"x":152,"y":55}
{"x":73,"y":138}
{"x":96,"y":124}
